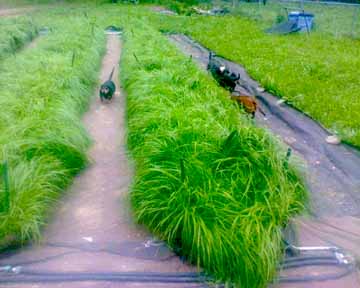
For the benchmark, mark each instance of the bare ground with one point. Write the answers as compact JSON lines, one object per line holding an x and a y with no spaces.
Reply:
{"x":92,"y":229}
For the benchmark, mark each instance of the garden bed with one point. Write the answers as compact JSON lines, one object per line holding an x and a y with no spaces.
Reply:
{"x":42,"y":139}
{"x":200,"y":165}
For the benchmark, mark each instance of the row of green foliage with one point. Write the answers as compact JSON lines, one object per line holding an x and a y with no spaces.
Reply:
{"x":206,"y":179}
{"x":316,"y":73}
{"x":14,"y":33}
{"x":42,"y":97}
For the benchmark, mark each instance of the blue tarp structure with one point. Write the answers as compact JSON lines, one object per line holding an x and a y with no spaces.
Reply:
{"x":303,"y":20}
{"x":297,"y":22}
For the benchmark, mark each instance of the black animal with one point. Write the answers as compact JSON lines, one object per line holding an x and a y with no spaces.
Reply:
{"x":108,"y":88}
{"x":222,"y":75}
{"x":229,"y":80}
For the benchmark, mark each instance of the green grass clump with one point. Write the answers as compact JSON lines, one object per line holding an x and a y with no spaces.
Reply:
{"x":207,"y":180}
{"x":41,"y":136}
{"x":14,"y":33}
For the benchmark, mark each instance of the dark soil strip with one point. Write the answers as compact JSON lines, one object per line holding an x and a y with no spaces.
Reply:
{"x":92,"y":230}
{"x":333,"y":171}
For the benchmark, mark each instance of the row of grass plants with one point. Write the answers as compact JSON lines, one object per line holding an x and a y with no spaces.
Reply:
{"x":14,"y":33}
{"x":207,"y":181}
{"x":43,"y":93}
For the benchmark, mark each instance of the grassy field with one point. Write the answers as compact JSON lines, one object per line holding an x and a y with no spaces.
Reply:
{"x":41,"y":135}
{"x":207,"y":180}
{"x":316,"y":73}
{"x":334,"y":20}
{"x":14,"y":33}
{"x":210,"y":183}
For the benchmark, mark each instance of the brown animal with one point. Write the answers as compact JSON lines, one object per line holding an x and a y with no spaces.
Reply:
{"x":249,"y":104}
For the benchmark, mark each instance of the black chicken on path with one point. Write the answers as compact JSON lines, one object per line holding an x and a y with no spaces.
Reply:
{"x":222,"y":75}
{"x":108,"y":88}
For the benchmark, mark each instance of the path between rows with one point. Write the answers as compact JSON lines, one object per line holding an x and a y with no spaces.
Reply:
{"x":5,"y":12}
{"x":93,"y":226}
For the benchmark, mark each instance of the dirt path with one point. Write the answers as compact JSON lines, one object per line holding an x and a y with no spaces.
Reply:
{"x":6,"y":12}
{"x":93,"y":230}
{"x":163,"y":10}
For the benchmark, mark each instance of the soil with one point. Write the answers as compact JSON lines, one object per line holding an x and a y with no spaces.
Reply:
{"x":93,"y":229}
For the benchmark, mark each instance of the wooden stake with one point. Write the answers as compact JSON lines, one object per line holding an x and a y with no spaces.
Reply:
{"x":6,"y":186}
{"x":73,"y":59}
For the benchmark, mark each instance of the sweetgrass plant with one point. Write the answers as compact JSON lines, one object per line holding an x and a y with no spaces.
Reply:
{"x":207,"y":180}
{"x":14,"y":33}
{"x":43,"y":97}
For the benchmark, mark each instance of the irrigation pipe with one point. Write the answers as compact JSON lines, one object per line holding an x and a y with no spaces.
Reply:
{"x":326,"y":277}
{"x":17,"y":273}
{"x":81,"y":248}
{"x":32,"y":277}
{"x":309,"y":263}
{"x":28,"y":276}
{"x":119,"y":274}
{"x":306,"y":258}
